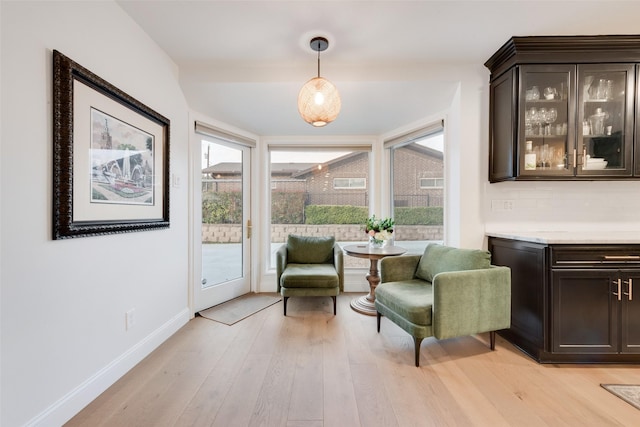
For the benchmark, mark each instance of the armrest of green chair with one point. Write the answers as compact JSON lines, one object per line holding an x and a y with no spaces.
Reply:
{"x":398,"y":268}
{"x":471,"y":301}
{"x":338,"y":262}
{"x":281,"y":262}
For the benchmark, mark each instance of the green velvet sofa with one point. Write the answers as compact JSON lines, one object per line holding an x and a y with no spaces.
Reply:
{"x":447,"y":292}
{"x":310,"y":267}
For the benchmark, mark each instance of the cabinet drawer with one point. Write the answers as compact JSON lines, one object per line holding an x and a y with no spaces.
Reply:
{"x":596,"y":256}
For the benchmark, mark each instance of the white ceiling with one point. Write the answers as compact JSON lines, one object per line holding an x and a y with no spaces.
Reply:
{"x":243,"y":62}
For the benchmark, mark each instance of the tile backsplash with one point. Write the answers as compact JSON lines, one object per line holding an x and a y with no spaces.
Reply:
{"x":563,"y":205}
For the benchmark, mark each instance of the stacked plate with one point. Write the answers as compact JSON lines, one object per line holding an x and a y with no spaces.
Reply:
{"x":595,"y":163}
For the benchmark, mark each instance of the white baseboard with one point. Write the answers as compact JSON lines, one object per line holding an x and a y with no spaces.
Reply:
{"x":73,"y":402}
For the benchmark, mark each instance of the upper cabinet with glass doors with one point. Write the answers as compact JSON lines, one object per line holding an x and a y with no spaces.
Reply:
{"x":605,"y":117}
{"x":562,"y":108}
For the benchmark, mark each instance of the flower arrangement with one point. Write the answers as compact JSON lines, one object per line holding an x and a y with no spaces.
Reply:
{"x":379,"y":230}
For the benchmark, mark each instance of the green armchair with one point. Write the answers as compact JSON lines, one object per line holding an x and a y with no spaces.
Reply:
{"x":447,"y":292}
{"x":310,"y":267}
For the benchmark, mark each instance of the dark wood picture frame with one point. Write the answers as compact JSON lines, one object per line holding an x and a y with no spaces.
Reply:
{"x":76,"y":212}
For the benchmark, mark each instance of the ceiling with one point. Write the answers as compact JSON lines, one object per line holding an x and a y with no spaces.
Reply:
{"x":243,"y":62}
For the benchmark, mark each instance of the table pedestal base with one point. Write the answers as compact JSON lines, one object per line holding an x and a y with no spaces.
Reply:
{"x":364,"y":306}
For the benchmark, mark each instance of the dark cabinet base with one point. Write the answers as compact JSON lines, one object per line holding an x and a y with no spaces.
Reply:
{"x":572,"y":303}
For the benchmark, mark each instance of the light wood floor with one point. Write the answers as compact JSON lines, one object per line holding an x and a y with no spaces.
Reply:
{"x":313,"y":369}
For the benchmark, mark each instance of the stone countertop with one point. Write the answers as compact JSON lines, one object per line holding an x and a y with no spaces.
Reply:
{"x":571,"y":237}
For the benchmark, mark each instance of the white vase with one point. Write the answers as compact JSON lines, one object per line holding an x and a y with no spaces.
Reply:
{"x":377,"y":243}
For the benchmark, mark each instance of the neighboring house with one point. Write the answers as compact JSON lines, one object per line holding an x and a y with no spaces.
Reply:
{"x":421,"y":181}
{"x":345,"y":179}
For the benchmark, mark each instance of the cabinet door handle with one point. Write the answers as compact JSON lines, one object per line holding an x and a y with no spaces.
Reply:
{"x":619,"y":293}
{"x":621,"y":257}
{"x":630,"y":288}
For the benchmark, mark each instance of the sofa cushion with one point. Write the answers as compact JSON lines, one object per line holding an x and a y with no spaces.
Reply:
{"x":309,"y":250}
{"x":310,"y":276}
{"x":438,"y":258}
{"x":411,"y":299}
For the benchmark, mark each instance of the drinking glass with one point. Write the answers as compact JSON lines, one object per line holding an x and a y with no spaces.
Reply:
{"x":542,"y":121}
{"x":551,"y":116}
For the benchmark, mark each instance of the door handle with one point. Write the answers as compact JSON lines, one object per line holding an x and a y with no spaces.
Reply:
{"x":630,"y":289}
{"x":249,"y":229}
{"x":619,"y":293}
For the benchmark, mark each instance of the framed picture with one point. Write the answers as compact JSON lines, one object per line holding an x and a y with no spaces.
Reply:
{"x":110,"y":157}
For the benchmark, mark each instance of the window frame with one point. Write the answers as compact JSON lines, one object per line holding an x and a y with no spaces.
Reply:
{"x":350,"y":187}
{"x":431,"y":187}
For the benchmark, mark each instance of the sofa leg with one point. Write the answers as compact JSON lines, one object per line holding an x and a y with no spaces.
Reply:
{"x":379,"y":316}
{"x":334,"y":304}
{"x":285,"y":305}
{"x":492,"y":340}
{"x":417,"y":342}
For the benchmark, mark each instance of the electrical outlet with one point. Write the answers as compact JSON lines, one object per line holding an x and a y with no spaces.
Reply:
{"x":130,"y":319}
{"x":501,"y":205}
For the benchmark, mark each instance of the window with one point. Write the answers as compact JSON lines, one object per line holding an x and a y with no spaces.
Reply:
{"x":308,"y":195}
{"x":349,"y":183}
{"x":418,"y":187}
{"x":431,"y":183}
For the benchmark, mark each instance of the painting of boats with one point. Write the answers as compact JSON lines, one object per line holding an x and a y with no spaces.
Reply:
{"x":121,"y":161}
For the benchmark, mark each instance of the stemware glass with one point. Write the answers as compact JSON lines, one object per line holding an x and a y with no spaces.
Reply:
{"x":542,"y":121}
{"x":528,"y":121}
{"x":551,"y":116}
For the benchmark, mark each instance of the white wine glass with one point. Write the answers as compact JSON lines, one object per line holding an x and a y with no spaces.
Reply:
{"x":552,"y":116}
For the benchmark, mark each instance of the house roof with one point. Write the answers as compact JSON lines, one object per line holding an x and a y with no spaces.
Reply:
{"x":226,"y":168}
{"x":301,"y":170}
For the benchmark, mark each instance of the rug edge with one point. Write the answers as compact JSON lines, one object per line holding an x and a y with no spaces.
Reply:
{"x":618,"y":395}
{"x":277,"y":299}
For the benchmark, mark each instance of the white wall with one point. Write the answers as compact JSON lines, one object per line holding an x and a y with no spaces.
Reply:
{"x":64,"y":302}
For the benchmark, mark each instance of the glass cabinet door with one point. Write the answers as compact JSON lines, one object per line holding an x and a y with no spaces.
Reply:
{"x":637,"y":132}
{"x":605,"y":119}
{"x":547,"y":120}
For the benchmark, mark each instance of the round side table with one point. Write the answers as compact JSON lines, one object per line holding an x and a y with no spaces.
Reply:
{"x":365,"y":304}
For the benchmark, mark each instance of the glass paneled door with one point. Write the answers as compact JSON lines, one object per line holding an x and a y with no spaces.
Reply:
{"x":547,"y":111}
{"x":225,"y":227}
{"x":605,"y":119}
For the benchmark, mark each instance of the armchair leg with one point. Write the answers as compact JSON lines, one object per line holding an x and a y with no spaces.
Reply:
{"x":334,"y":304}
{"x":417,"y":342}
{"x":285,"y":305}
{"x":379,"y":316}
{"x":492,"y":340}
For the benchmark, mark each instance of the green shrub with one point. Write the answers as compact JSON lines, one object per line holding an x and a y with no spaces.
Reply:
{"x":222,"y":208}
{"x":287,"y":208}
{"x":433,"y":215}
{"x":335,"y":214}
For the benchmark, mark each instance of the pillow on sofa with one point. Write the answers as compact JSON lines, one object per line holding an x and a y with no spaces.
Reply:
{"x":309,"y":250}
{"x":438,"y":258}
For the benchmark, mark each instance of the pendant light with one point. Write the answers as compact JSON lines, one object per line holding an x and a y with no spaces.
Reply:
{"x":319,"y":101}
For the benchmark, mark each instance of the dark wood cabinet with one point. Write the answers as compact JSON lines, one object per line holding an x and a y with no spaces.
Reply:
{"x":630,"y":315}
{"x":573,"y":303}
{"x":586,"y":313}
{"x":570,"y":103}
{"x":503,"y":127}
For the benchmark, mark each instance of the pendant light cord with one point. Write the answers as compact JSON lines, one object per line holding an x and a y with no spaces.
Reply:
{"x":318,"y":59}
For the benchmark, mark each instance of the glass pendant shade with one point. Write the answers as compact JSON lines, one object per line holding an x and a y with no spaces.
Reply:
{"x":319,"y":102}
